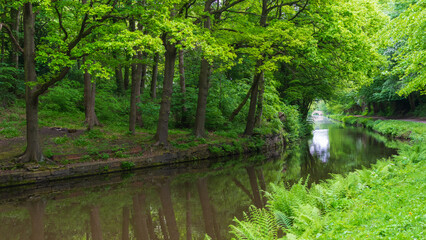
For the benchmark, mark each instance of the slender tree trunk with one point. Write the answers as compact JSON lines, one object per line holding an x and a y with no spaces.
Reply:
{"x":89,"y":100}
{"x":203,"y":85}
{"x":251,"y":117}
{"x":154,"y":77}
{"x":143,"y":73}
{"x":126,"y":77}
{"x":254,"y":187}
{"x":238,"y":109}
{"x":33,"y":151}
{"x":95,"y":223}
{"x":125,"y":226}
{"x":412,"y":101}
{"x":167,"y":206}
{"x":182,"y":88}
{"x":15,"y":16}
{"x":119,"y":79}
{"x":36,"y":210}
{"x":206,"y":207}
{"x":169,"y":69}
{"x":136,"y":87}
{"x":259,"y":110}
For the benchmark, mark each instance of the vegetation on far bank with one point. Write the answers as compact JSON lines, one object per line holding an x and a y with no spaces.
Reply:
{"x":385,"y":201}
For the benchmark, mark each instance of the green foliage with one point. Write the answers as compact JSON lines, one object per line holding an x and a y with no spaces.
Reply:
{"x":63,"y":98}
{"x":388,"y":197}
{"x":127,"y":165}
{"x":11,"y":84}
{"x":258,"y":224}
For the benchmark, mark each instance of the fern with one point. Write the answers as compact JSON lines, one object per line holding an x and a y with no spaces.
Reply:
{"x":259,"y":224}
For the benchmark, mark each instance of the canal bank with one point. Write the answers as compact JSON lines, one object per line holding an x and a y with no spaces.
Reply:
{"x":386,"y":201}
{"x":38,"y":173}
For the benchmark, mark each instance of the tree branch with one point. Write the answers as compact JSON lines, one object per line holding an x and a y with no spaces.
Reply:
{"x":61,"y":25}
{"x":52,"y":81}
{"x":304,"y":6}
{"x":15,"y":42}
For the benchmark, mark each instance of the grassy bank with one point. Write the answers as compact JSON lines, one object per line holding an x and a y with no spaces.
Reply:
{"x":65,"y":140}
{"x":384,"y":202}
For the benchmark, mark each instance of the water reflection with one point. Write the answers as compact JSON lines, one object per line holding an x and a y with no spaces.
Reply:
{"x":179,"y":202}
{"x":320,"y":145}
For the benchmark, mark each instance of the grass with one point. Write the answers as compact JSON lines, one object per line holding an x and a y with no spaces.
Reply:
{"x":387,"y":201}
{"x":112,"y":140}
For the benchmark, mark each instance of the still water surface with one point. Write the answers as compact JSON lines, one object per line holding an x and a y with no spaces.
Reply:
{"x":179,"y":202}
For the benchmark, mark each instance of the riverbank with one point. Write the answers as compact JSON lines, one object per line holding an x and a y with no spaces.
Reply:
{"x":386,"y":201}
{"x":142,"y":158}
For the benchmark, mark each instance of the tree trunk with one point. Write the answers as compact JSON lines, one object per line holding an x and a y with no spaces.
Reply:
{"x":238,"y":109}
{"x":136,"y":87}
{"x":119,"y":79}
{"x":154,"y":77}
{"x":126,"y":77}
{"x":206,"y":207}
{"x":95,"y":223}
{"x":89,"y":100}
{"x":203,"y":86}
{"x":33,"y":151}
{"x":183,"y":122}
{"x":169,"y":69}
{"x":15,"y":16}
{"x":167,"y":206}
{"x":259,"y":110}
{"x":143,"y":73}
{"x":36,"y":210}
{"x":251,"y":117}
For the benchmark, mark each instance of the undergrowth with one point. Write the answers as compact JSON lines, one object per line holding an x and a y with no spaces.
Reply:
{"x":384,"y":202}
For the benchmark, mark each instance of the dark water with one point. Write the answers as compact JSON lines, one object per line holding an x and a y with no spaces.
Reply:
{"x":178,"y":202}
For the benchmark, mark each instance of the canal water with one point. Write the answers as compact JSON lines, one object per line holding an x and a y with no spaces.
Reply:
{"x":184,"y":201}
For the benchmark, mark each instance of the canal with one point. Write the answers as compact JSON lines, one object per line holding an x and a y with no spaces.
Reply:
{"x":183,"y":201}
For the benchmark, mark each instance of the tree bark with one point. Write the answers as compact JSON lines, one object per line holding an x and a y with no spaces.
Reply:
{"x":203,"y":85}
{"x":143,"y":73}
{"x":136,"y":87}
{"x":183,"y":122}
{"x":167,"y":206}
{"x":238,"y":109}
{"x":95,"y":223}
{"x":154,"y":77}
{"x":33,"y":151}
{"x":259,"y":110}
{"x":251,"y":117}
{"x":89,"y":100}
{"x":15,"y":16}
{"x":169,"y":69}
{"x":126,"y":77}
{"x":119,"y":79}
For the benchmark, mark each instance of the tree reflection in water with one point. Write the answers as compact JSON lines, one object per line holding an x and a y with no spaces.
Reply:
{"x":181,"y":202}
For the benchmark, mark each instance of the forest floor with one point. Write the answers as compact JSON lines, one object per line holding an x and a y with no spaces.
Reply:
{"x":65,"y":141}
